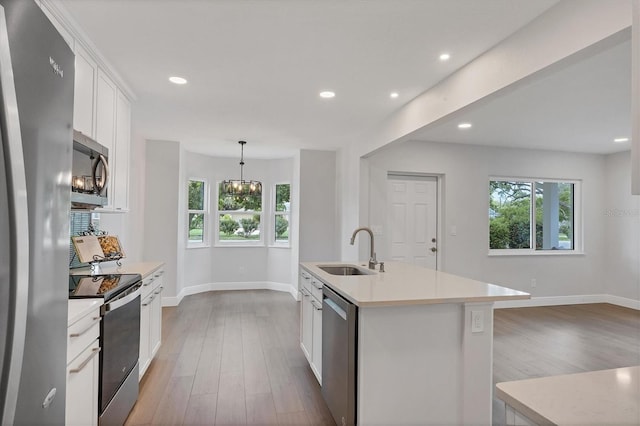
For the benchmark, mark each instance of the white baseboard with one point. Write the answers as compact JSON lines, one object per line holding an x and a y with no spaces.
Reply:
{"x":256,"y":285}
{"x":623,"y":301}
{"x":569,"y":300}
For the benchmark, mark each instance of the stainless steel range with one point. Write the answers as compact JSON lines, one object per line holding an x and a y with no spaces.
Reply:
{"x":119,"y":340}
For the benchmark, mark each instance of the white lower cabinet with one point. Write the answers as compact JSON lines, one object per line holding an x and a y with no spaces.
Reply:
{"x":83,"y":348}
{"x":150,"y":318}
{"x":306,"y":315}
{"x":144,"y":357}
{"x":155,"y":332}
{"x":311,"y":321}
{"x":316,"y":357}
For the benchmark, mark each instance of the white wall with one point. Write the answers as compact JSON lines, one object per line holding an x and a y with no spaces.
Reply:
{"x":466,"y":170}
{"x":318,"y":209}
{"x":162,"y":210}
{"x":621,"y":214}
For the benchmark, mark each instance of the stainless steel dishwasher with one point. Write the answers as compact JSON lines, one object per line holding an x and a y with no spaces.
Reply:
{"x":339,"y":349}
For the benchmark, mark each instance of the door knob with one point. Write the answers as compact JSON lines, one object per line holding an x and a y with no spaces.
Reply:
{"x":433,"y":249}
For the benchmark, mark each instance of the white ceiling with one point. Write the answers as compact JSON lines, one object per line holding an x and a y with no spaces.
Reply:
{"x":580,"y":107}
{"x":255,"y":68}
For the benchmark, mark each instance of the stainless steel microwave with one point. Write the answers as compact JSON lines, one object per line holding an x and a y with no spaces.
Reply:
{"x":90,"y":177}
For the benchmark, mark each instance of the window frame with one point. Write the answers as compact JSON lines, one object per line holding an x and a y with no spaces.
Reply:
{"x":206,"y":216}
{"x":578,"y":231}
{"x":274,"y":242}
{"x":237,"y":243}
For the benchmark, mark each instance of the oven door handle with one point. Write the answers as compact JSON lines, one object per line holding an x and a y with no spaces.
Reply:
{"x":118,"y":303}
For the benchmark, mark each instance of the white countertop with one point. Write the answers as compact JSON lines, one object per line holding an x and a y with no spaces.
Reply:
{"x":607,"y":397}
{"x":79,"y":308}
{"x":142,"y":268}
{"x":406,"y":284}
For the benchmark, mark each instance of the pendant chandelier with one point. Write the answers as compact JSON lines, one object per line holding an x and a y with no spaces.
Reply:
{"x":241,"y":187}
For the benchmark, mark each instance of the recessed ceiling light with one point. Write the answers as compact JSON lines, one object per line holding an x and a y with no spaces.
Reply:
{"x":620,"y":140}
{"x":464,"y":126}
{"x":394,"y":95}
{"x":445,"y":57}
{"x":178,"y":80}
{"x":327,"y":94}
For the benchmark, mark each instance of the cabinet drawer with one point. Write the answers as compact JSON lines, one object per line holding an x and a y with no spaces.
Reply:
{"x":151,"y":282}
{"x":305,"y":280}
{"x":147,"y":285}
{"x":316,"y":289}
{"x":81,"y":334}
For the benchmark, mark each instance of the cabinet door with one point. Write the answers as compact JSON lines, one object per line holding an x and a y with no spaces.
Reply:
{"x":120,"y":159}
{"x":84,"y":96}
{"x":106,"y":123}
{"x":155,"y":335}
{"x":145,"y":326}
{"x":307,"y":325}
{"x":82,"y":388}
{"x":317,"y":339}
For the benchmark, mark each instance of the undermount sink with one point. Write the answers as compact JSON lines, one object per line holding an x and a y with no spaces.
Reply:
{"x":344,"y":270}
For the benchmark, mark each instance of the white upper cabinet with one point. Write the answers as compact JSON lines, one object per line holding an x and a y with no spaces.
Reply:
{"x":86,"y":77}
{"x":120,"y":188}
{"x":101,"y":109}
{"x":106,"y":112}
{"x":106,"y":124}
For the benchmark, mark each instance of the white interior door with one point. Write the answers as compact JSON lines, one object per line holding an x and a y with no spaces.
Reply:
{"x":412,"y":215}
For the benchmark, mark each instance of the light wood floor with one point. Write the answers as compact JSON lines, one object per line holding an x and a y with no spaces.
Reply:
{"x":547,"y":341}
{"x":234,"y":358}
{"x":231,"y":358}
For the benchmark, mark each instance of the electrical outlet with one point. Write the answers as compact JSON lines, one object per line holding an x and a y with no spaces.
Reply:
{"x":534,"y":283}
{"x":454,"y":230}
{"x":242,"y":270}
{"x":477,"y":321}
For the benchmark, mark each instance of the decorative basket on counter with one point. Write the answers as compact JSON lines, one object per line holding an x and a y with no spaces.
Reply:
{"x":94,"y":249}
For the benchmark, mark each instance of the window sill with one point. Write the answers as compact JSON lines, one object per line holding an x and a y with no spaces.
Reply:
{"x":500,"y":253}
{"x":198,"y":246}
{"x":240,"y":244}
{"x":280,"y":246}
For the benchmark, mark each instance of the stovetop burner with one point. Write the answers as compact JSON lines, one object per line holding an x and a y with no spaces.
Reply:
{"x":102,"y":286}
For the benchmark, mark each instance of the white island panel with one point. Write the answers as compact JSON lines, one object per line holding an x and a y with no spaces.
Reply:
{"x":410,"y":365}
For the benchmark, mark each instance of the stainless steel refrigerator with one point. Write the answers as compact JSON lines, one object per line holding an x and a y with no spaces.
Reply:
{"x":36,"y":112}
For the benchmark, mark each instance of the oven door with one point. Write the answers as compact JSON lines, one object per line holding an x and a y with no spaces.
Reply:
{"x":120,"y":341}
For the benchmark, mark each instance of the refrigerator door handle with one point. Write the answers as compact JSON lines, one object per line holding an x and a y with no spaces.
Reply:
{"x":19,"y":237}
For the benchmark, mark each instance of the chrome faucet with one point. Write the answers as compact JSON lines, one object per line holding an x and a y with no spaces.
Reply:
{"x":372,"y":256}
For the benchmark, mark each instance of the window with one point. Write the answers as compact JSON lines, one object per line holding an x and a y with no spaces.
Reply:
{"x":532,"y":215}
{"x":197,"y":212}
{"x":281,"y":213}
{"x":239,"y":219}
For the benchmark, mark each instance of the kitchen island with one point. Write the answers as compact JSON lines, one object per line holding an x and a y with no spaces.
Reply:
{"x":605,"y":397}
{"x":424,"y":349}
